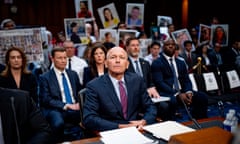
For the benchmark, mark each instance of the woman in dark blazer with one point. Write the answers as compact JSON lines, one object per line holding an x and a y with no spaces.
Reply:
{"x":96,"y":65}
{"x":15,"y":75}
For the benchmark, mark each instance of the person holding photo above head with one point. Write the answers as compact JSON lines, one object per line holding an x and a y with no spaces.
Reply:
{"x":171,"y":79}
{"x":109,"y":19}
{"x":116,"y":99}
{"x":134,"y":17}
{"x":84,"y":11}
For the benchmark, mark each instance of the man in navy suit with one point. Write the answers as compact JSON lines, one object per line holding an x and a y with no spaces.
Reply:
{"x":136,"y":63}
{"x":103,"y":108}
{"x":139,"y":64}
{"x":180,"y":90}
{"x":53,"y":99}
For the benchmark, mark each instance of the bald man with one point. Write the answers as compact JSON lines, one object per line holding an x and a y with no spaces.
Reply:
{"x":104,"y":108}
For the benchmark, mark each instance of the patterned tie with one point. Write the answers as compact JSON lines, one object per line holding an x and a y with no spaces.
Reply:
{"x":123,"y":97}
{"x":176,"y":86}
{"x":137,"y":68}
{"x":66,"y":90}
{"x":69,"y":64}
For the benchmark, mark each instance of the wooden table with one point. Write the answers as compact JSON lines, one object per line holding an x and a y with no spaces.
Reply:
{"x":97,"y":139}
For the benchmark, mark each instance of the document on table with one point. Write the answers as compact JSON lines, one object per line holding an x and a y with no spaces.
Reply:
{"x":161,"y":99}
{"x":128,"y":135}
{"x":165,"y":130}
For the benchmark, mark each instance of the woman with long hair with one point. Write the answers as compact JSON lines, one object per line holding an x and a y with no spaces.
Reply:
{"x":96,"y":63}
{"x":16,"y":75}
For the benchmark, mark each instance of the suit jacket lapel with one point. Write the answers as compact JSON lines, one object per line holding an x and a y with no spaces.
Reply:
{"x":113,"y":93}
{"x":129,"y":85}
{"x":73,"y":85}
{"x":143,"y":67}
{"x":53,"y":80}
{"x":165,"y":61}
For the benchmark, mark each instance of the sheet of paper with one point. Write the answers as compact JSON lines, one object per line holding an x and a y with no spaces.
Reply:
{"x":165,"y":130}
{"x":124,"y":136}
{"x":194,"y":84}
{"x":210,"y":81}
{"x":161,"y":99}
{"x":233,"y":79}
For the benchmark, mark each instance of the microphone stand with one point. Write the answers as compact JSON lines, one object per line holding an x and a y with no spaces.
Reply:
{"x":190,"y":116}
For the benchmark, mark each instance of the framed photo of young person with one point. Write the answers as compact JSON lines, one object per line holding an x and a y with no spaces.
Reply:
{"x":123,"y":35}
{"x":219,"y":34}
{"x":83,"y":8}
{"x":134,"y":14}
{"x":109,"y":35}
{"x":164,"y":21}
{"x":204,"y":34}
{"x":180,"y":36}
{"x":74,"y":29}
{"x":109,"y":16}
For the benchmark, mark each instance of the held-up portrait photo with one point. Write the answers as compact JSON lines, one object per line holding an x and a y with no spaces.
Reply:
{"x":204,"y":34}
{"x":180,"y":36}
{"x":164,"y":21}
{"x":219,"y":34}
{"x":74,"y":29}
{"x":134,"y":14}
{"x":109,"y":16}
{"x":83,"y":8}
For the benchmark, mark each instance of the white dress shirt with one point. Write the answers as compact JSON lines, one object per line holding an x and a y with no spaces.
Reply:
{"x":77,"y":65}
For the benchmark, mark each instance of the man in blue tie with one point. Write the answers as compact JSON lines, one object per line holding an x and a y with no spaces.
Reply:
{"x":116,"y":99}
{"x":59,"y":89}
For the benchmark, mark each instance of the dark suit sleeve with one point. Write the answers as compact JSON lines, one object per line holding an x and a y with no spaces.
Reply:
{"x":33,"y":88}
{"x":150,"y":111}
{"x":48,"y":99}
{"x":92,"y":118}
{"x":163,"y":83}
{"x":39,"y":127}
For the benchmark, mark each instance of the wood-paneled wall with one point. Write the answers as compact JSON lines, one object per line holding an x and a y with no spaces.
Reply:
{"x":51,"y":13}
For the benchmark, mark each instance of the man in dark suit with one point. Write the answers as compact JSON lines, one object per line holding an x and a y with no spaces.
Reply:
{"x":171,"y":79}
{"x":20,"y":120}
{"x":139,"y":65}
{"x":142,"y":67}
{"x":189,"y":56}
{"x":109,"y":105}
{"x":58,"y":106}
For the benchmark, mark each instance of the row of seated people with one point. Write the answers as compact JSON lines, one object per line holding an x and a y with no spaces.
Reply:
{"x":99,"y":113}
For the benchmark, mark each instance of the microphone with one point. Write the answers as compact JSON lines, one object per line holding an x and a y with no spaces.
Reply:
{"x":197,"y":125}
{"x":15,"y":120}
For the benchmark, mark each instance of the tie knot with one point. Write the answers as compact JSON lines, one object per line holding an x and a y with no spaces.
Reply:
{"x":171,"y":59}
{"x":69,"y":59}
{"x":120,"y":82}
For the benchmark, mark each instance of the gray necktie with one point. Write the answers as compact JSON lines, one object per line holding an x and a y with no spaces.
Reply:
{"x":137,"y":68}
{"x":176,"y":86}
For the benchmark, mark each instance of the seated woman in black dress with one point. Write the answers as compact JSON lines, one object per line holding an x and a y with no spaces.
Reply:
{"x":16,"y":75}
